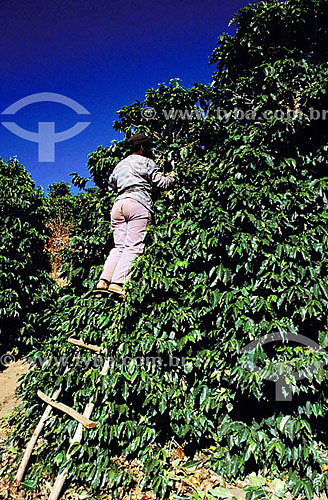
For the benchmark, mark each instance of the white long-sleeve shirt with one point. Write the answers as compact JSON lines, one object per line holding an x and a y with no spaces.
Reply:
{"x":135,"y":176}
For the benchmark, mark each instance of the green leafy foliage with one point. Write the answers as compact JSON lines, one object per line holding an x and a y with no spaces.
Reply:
{"x":60,"y":202}
{"x":239,"y":250}
{"x":90,"y":240}
{"x":25,"y":286}
{"x":80,"y":234}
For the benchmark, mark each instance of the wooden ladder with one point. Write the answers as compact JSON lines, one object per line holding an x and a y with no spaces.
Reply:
{"x":82,"y":419}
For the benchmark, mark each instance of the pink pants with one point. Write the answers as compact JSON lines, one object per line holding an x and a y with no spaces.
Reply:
{"x":129,"y":220}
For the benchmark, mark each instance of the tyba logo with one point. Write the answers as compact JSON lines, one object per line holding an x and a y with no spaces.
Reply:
{"x":283,"y":369}
{"x":46,"y":137}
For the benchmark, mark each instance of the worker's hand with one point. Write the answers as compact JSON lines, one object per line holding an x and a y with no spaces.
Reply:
{"x":175,"y":179}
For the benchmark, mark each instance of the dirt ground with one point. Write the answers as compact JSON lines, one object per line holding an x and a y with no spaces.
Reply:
{"x":9,"y":379}
{"x":8,"y":383}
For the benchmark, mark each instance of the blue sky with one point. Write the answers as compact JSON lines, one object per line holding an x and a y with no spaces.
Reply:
{"x":103,"y":55}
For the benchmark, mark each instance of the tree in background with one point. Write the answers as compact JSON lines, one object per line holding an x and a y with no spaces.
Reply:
{"x":60,"y":205}
{"x":80,"y":233}
{"x":25,"y":285}
{"x":90,"y":239}
{"x":60,"y":201}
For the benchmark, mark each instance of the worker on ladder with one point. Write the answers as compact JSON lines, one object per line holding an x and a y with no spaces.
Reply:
{"x":133,"y":180}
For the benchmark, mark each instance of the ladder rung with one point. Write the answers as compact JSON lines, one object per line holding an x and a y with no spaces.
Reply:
{"x":80,"y":343}
{"x":89,"y":424}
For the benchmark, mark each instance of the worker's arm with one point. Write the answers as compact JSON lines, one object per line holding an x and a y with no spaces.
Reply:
{"x":157,"y":178}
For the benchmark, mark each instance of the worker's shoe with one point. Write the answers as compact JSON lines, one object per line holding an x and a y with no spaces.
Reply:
{"x":102,"y":285}
{"x":114,"y":287}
